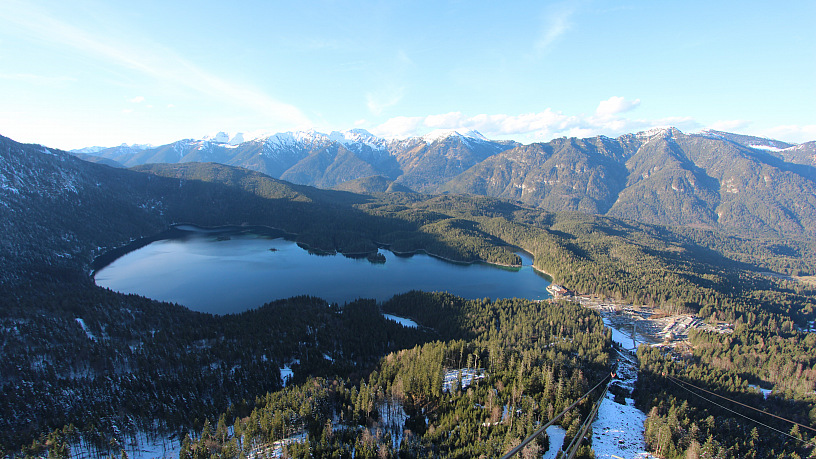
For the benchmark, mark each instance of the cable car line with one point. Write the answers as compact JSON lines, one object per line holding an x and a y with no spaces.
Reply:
{"x":737,"y":413}
{"x":742,"y":404}
{"x":573,"y":450}
{"x":541,"y":430}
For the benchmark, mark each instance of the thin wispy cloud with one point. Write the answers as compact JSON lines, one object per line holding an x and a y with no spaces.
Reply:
{"x":557,"y":21}
{"x":37,"y":79}
{"x":384,"y":98}
{"x":151,"y":59}
{"x":391,"y":85}
{"x":137,"y":100}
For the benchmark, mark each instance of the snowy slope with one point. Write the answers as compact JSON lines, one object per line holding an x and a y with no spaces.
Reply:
{"x":618,"y":430}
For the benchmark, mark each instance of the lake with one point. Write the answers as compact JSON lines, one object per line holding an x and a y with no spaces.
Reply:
{"x":220,"y":275}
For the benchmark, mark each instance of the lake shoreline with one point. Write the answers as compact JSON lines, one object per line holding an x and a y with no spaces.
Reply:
{"x":195,"y":267}
{"x":181,"y":230}
{"x":449,"y":260}
{"x":545,"y":273}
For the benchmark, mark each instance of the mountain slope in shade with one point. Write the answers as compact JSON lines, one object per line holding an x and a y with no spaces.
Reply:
{"x":91,"y":158}
{"x":373,"y":184}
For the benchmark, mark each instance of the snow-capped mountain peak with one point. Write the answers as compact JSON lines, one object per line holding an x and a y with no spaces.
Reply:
{"x":221,"y":137}
{"x":357,"y":136}
{"x":648,"y":134}
{"x":441,"y":134}
{"x":88,"y":150}
{"x":237,"y":139}
{"x":296,"y":137}
{"x":124,"y":146}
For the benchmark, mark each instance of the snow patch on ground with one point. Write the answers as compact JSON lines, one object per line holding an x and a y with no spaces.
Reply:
{"x":766,"y":147}
{"x":623,"y":339}
{"x":618,"y":430}
{"x":155,"y":449}
{"x":468,"y":376}
{"x":765,"y":392}
{"x":276,"y":449}
{"x":286,"y":374}
{"x":392,"y":418}
{"x":407,"y":323}
{"x":86,"y":329}
{"x":556,"y":435}
{"x":139,"y":447}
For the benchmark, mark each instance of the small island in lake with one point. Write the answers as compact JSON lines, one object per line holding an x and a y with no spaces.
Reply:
{"x":376,"y":257}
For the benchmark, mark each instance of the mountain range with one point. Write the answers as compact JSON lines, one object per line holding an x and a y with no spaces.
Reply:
{"x":717,"y":180}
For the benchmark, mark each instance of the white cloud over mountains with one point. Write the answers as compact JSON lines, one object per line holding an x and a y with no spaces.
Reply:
{"x":615,"y":105}
{"x":549,"y":124}
{"x":538,"y":126}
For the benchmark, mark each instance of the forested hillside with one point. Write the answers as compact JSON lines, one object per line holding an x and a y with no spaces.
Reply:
{"x":117,"y":366}
{"x":532,"y":360}
{"x":715,"y":401}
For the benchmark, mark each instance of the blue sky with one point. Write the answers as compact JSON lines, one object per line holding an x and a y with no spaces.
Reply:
{"x":82,"y":73}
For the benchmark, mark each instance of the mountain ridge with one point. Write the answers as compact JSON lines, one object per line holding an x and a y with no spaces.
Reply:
{"x":711,"y":179}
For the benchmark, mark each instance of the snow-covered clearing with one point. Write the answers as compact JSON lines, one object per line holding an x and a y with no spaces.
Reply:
{"x":392,"y":418}
{"x":556,"y":435}
{"x":407,"y":323}
{"x":618,"y":430}
{"x":766,"y":147}
{"x":624,"y":339}
{"x":765,"y":392}
{"x":286,"y":373}
{"x":141,"y":446}
{"x":276,"y":449}
{"x":468,"y":376}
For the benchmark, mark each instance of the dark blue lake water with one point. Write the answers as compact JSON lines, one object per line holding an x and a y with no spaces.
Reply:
{"x":224,"y":276}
